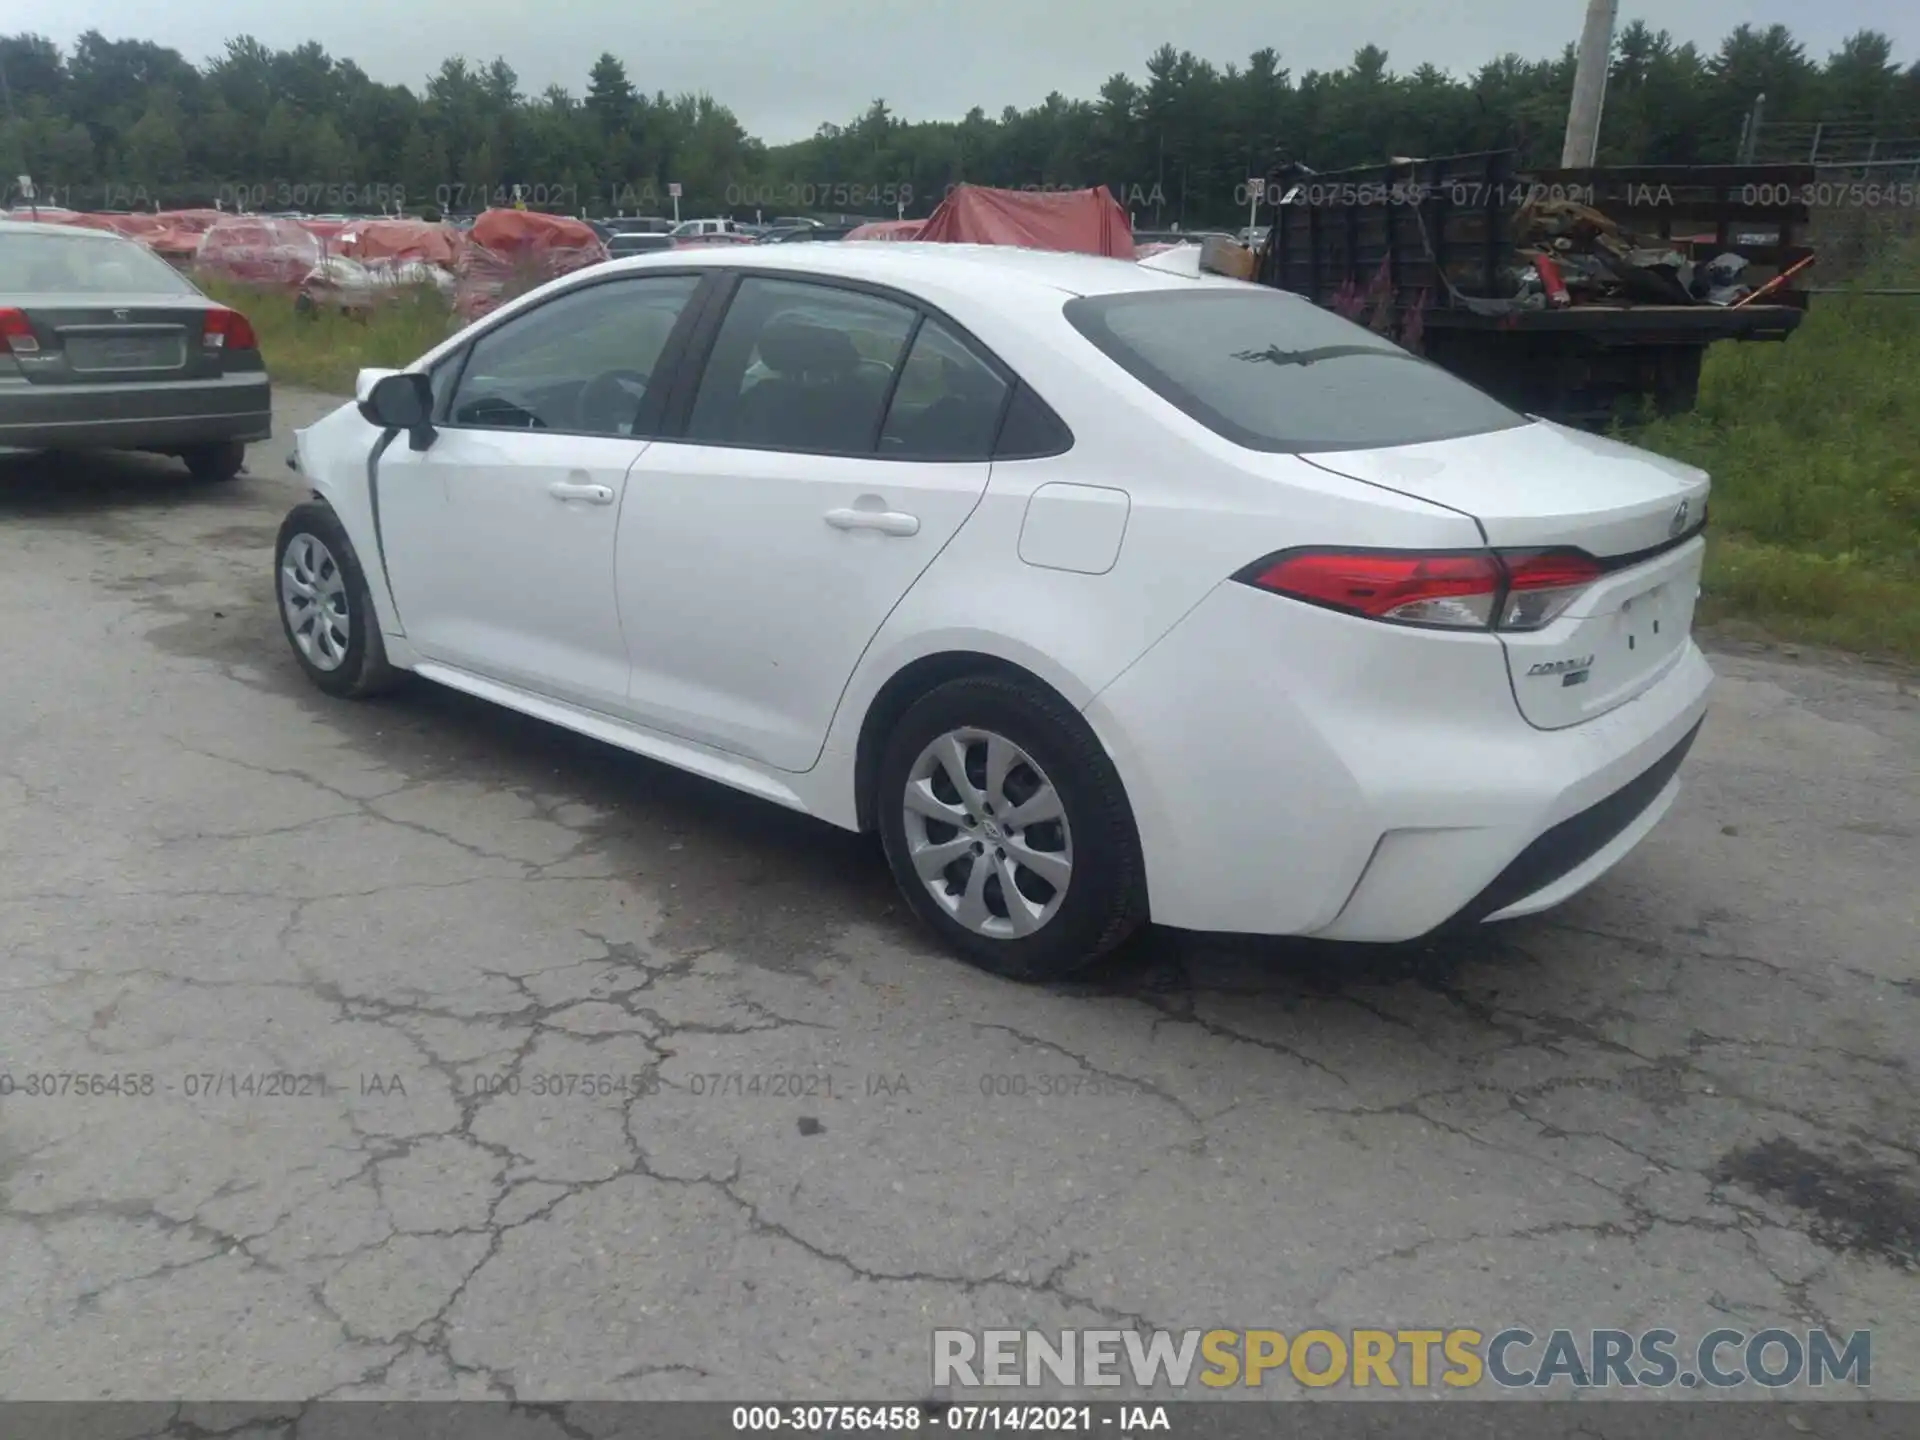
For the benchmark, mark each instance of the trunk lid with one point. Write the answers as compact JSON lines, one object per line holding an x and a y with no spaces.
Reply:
{"x":1542,"y":486}
{"x":104,"y":339}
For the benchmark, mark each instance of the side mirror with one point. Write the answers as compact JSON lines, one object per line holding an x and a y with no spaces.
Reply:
{"x":402,"y":401}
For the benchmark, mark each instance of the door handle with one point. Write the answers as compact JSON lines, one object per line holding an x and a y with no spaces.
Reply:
{"x":592,"y":494}
{"x":887,"y":522}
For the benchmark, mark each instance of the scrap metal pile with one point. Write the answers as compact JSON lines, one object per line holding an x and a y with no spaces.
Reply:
{"x":1572,"y":254}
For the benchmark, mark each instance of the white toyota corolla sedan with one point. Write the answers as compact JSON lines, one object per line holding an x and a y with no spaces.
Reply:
{"x":1103,"y":594}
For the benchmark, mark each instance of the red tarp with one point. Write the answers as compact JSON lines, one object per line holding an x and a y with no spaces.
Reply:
{"x":531,"y":232}
{"x":172,"y":234}
{"x":258,"y":250}
{"x":509,"y":252}
{"x":178,"y":237}
{"x":1090,"y":222}
{"x":888,"y":230}
{"x":399,"y":240}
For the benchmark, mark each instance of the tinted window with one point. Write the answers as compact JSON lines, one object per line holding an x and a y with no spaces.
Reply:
{"x":947,"y":404}
{"x":1031,"y":429}
{"x":581,"y":363}
{"x":1271,"y":371}
{"x":82,"y":264}
{"x":800,"y":367}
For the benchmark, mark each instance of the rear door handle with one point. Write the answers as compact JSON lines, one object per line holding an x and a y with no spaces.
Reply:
{"x":592,"y":494}
{"x":887,"y":522}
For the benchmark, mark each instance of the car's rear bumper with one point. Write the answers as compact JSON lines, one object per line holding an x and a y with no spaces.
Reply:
{"x":136,"y":416}
{"x":1297,"y":772}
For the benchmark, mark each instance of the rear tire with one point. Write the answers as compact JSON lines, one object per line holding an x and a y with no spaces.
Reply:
{"x":1032,"y":869}
{"x":212,"y":464}
{"x":326,"y":610}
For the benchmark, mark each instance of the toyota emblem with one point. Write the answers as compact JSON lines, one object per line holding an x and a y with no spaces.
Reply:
{"x":1678,"y":525}
{"x":123,"y":314}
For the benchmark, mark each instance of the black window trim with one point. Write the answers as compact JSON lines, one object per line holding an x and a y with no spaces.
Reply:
{"x":671,"y":353}
{"x":1087,"y":314}
{"x":699,"y":352}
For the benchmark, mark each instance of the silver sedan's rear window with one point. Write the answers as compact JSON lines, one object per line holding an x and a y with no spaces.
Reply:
{"x":33,"y":262}
{"x":1270,"y":371}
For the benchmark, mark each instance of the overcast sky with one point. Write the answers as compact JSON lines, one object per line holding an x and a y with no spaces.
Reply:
{"x":786,"y":65}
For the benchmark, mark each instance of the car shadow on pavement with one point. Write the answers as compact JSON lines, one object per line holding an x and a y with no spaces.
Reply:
{"x":777,"y":888}
{"x":96,"y":484}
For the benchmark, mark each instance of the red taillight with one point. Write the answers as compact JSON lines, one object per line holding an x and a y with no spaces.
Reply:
{"x":1456,"y":591}
{"x":228,"y":330}
{"x":17,"y":332}
{"x":1472,"y":590}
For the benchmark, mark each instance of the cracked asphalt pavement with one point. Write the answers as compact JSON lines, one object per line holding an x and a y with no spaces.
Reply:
{"x":342,"y":961}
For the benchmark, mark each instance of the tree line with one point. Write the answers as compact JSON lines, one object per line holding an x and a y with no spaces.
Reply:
{"x":129,"y":124}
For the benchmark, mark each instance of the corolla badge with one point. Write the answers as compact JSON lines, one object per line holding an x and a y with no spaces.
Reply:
{"x":1678,"y":525}
{"x":1561,"y":667}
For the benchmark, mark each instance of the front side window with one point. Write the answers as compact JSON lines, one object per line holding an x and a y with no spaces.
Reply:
{"x":1271,"y":371}
{"x":798,"y":366}
{"x":582,"y":363}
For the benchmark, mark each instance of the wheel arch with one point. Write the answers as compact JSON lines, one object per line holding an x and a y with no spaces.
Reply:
{"x":894,"y":698}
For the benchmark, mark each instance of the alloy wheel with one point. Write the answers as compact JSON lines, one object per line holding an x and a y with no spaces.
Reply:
{"x":313,"y":593}
{"x":987,"y":833}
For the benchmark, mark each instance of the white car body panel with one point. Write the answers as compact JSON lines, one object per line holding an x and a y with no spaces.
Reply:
{"x":786,"y":587}
{"x":1283,"y":775}
{"x":500,"y":556}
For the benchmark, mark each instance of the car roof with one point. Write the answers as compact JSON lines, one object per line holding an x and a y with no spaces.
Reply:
{"x":40,"y":227}
{"x":994,"y":275}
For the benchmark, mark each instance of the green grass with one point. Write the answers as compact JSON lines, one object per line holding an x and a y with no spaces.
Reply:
{"x":1814,"y":449}
{"x":325,"y":349}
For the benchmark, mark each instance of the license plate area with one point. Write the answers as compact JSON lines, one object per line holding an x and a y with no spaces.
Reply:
{"x":1632,"y":630}
{"x":97,"y":354}
{"x":1656,"y":622}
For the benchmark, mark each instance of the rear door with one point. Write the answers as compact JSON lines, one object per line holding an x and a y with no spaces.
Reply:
{"x":836,"y":442}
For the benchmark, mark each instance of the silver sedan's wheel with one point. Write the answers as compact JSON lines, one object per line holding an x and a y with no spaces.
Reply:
{"x":313,"y":594}
{"x":987,"y":834}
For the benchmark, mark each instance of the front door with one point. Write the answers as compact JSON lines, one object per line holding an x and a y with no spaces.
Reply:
{"x":500,"y":536}
{"x":761,"y":551}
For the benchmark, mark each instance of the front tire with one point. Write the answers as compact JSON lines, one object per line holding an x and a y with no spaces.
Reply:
{"x":212,"y":464}
{"x":1008,"y":830}
{"x":326,"y":611}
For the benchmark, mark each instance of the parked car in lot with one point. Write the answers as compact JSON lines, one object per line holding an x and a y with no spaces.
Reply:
{"x":621,"y":244}
{"x":789,"y":234}
{"x":692,"y":229}
{"x":1102,"y":594}
{"x":103,"y":345}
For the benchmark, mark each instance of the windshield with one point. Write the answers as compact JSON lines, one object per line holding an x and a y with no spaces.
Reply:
{"x":1270,"y":371}
{"x":84,"y":264}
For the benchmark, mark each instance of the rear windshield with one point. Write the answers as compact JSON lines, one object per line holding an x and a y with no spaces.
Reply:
{"x":1269,"y":371}
{"x":34,"y":263}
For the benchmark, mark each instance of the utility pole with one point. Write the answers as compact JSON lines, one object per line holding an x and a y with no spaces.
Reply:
{"x":1754,"y":117}
{"x":1589,"y":86}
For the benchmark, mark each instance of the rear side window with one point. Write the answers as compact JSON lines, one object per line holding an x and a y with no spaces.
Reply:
{"x":34,"y":262}
{"x":946,"y":402}
{"x":1270,"y":371}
